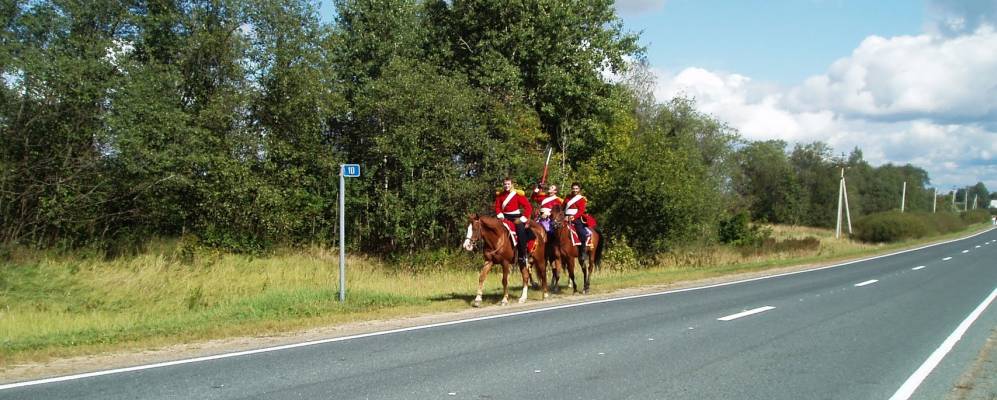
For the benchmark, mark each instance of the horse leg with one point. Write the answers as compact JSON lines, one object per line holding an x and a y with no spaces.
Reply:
{"x":525,"y":271}
{"x":541,"y":267}
{"x":533,"y":282}
{"x":505,"y":283}
{"x":587,"y":273}
{"x":481,"y":283}
{"x":571,"y":274}
{"x":555,"y":276}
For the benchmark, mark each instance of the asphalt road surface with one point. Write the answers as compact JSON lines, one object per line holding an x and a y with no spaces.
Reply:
{"x":901,"y":326}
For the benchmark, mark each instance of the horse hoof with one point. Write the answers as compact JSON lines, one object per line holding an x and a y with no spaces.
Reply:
{"x":535,"y":286}
{"x":521,"y":301}
{"x":546,"y":295}
{"x":504,"y":303}
{"x":476,"y":304}
{"x":586,"y":291}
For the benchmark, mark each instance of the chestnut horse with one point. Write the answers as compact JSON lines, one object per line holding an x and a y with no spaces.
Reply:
{"x":498,"y":249}
{"x":569,"y":252}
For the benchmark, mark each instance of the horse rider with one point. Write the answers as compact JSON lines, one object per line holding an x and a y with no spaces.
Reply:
{"x":547,"y":201}
{"x":512,"y":205}
{"x":574,"y":212}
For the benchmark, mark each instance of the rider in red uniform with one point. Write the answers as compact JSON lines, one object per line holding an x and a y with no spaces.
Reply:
{"x":512,"y":205}
{"x":547,"y":201}
{"x":574,"y":211}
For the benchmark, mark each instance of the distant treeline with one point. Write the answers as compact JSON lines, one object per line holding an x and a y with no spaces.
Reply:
{"x":225,"y":121}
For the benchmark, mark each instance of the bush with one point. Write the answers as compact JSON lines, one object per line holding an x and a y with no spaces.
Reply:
{"x":739,"y":231}
{"x":975,"y":216}
{"x":890,"y":226}
{"x":946,"y":222}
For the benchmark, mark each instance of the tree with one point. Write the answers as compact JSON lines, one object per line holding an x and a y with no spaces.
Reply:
{"x":769,"y":184}
{"x":548,"y":55}
{"x":819,"y":178}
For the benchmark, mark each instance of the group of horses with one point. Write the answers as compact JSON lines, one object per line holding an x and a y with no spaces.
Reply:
{"x":556,"y":250}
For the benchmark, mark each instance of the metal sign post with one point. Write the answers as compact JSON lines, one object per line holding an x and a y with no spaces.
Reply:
{"x":345,"y":171}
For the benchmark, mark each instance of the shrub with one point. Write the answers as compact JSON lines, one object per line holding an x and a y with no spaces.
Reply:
{"x":975,"y":216}
{"x":890,"y":226}
{"x":739,"y":231}
{"x":946,"y":222}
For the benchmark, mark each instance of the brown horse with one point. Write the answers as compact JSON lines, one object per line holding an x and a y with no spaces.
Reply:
{"x":569,"y":252}
{"x":498,"y":249}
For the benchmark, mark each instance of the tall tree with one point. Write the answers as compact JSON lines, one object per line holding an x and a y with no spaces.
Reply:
{"x":549,"y":54}
{"x":769,"y":184}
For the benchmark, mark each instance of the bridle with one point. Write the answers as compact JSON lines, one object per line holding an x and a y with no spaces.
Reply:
{"x":474,"y":235}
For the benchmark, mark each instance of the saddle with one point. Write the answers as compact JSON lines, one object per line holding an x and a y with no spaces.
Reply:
{"x":574,"y":236}
{"x":511,"y":228}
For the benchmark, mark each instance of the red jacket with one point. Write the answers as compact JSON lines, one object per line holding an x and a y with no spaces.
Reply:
{"x":513,"y":206}
{"x":575,"y":206}
{"x":545,"y":201}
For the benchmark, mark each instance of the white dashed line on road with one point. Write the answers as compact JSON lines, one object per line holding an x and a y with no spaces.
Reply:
{"x":965,"y":251}
{"x":868,"y":282}
{"x":946,"y":258}
{"x":745,"y":313}
{"x":917,"y":268}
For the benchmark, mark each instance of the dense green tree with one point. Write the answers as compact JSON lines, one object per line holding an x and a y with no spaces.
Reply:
{"x":57,"y":79}
{"x":653,"y":187}
{"x":549,"y":55}
{"x":769,"y":184}
{"x":436,"y":152}
{"x":819,"y":178}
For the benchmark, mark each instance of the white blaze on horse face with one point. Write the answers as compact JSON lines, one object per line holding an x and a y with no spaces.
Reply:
{"x":467,"y":242}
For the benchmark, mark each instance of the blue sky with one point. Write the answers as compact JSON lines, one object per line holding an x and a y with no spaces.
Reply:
{"x":780,"y":41}
{"x":905,"y":81}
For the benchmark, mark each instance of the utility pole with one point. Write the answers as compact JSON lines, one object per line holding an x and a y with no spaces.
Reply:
{"x":934,"y":200}
{"x":843,"y":202}
{"x":975,"y":196}
{"x":903,"y":197}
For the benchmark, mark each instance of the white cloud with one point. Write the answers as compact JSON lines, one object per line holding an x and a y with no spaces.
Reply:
{"x":926,"y":100}
{"x":632,"y":7}
{"x":908,"y":77}
{"x":958,"y":17}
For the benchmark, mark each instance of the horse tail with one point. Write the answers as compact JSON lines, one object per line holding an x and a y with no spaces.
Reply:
{"x":598,"y":249}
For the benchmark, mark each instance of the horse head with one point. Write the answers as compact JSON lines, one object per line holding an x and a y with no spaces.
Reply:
{"x":557,"y":217}
{"x":473,"y":231}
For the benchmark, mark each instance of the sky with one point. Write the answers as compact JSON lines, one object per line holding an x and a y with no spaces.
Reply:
{"x":905,"y":81}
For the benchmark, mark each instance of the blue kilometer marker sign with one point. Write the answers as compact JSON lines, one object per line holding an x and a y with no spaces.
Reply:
{"x":345,"y":171}
{"x":351,"y":170}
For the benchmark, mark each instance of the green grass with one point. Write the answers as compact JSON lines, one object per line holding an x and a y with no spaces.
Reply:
{"x":57,"y":305}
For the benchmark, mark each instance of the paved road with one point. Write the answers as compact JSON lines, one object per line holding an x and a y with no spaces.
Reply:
{"x":855,"y":331}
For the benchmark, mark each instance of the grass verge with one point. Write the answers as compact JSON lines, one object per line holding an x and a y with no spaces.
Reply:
{"x":56,"y":305}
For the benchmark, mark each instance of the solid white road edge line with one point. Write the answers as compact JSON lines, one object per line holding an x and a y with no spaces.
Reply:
{"x":456,"y":322}
{"x":868,"y":282}
{"x":917,"y":267}
{"x":745,"y":313}
{"x":908,"y":388}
